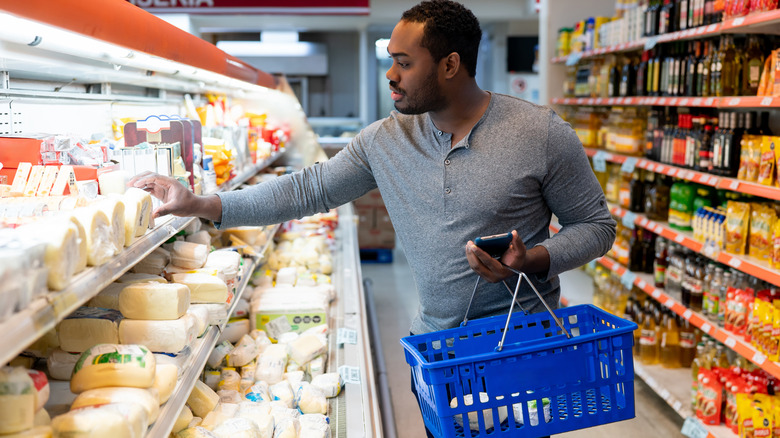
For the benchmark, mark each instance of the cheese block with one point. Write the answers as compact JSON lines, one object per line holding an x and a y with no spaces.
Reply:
{"x":237,"y":428}
{"x":244,"y":352}
{"x":287,"y":428}
{"x":183,"y":420}
{"x":165,"y":381}
{"x":166,"y":336}
{"x":310,"y":399}
{"x":314,"y":426}
{"x":234,"y":330}
{"x":214,"y":418}
{"x":154,"y":263}
{"x":35,"y":432}
{"x":114,"y":208}
{"x":113,"y":182}
{"x":195,"y":432}
{"x":97,"y":226}
{"x":42,"y":388}
{"x":203,"y":288}
{"x":201,"y":315}
{"x":138,"y":213}
{"x":250,"y":235}
{"x":106,"y":365}
{"x":155,"y":301}
{"x":202,"y":237}
{"x":88,"y":326}
{"x":189,"y":255}
{"x":81,"y":264}
{"x":116,"y":420}
{"x":260,"y":414}
{"x":329,"y":383}
{"x":145,"y":398}
{"x":217,"y":312}
{"x":108,"y":298}
{"x":60,"y":364}
{"x":225,"y":261}
{"x":202,"y":399}
{"x":132,"y":277}
{"x":61,"y":256}
{"x":196,"y":421}
{"x":305,"y":348}
{"x":17,"y":400}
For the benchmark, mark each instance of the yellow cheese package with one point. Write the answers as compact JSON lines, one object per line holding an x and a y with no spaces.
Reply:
{"x":762,"y":223}
{"x":737,"y":226}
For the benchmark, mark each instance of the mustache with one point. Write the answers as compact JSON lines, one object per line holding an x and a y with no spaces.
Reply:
{"x":394,"y":86}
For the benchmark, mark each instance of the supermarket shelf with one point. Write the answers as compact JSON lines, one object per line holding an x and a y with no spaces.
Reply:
{"x":749,"y":265}
{"x":735,"y":342}
{"x":23,"y":328}
{"x":724,"y":183}
{"x":764,"y":22}
{"x":249,"y":172}
{"x":690,"y":102}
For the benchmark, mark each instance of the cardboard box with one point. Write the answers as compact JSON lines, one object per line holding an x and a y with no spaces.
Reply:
{"x":22,"y":149}
{"x":375,"y":230}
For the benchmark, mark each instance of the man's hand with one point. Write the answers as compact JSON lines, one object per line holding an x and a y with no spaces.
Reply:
{"x":177,"y":199}
{"x":493,"y":270}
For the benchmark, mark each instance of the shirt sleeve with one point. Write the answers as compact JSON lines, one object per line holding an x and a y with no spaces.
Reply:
{"x":574,"y":196}
{"x":315,"y":189}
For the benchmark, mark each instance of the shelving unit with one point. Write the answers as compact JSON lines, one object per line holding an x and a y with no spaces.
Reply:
{"x":729,"y":102}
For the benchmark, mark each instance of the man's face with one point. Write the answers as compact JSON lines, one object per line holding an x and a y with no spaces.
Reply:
{"x":414,"y":75}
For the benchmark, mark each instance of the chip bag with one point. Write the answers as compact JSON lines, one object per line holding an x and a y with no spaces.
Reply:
{"x":709,"y":398}
{"x":745,"y":413}
{"x":762,"y":416}
{"x":737,"y":225}
{"x":762,"y":223}
{"x":766,"y":167}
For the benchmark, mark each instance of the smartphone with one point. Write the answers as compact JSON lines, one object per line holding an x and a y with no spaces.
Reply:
{"x":495,"y":245}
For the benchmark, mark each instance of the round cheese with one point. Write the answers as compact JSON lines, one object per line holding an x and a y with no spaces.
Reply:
{"x":168,"y":336}
{"x":100,"y":396}
{"x":108,"y":298}
{"x":41,"y":387}
{"x":97,"y":227}
{"x":17,"y":400}
{"x":61,"y":256}
{"x":189,"y":255}
{"x":138,"y":213}
{"x":106,"y":365}
{"x":114,"y":208}
{"x":195,"y":432}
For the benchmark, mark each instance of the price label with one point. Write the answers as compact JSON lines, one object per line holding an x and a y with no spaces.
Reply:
{"x":730,"y":342}
{"x":712,"y":27}
{"x":738,"y":21}
{"x":684,"y":102}
{"x":629,"y":219}
{"x":664,"y":394}
{"x":629,"y":165}
{"x":734,"y":101}
{"x":653,"y":100}
{"x":692,"y":428}
{"x":679,"y":238}
{"x":700,"y":30}
{"x":706,"y":328}
{"x":656,"y":293}
{"x":600,"y":161}
{"x":689,"y":175}
{"x":573,"y":59}
{"x":346,"y":336}
{"x":657,"y":229}
{"x":709,"y":102}
{"x":672,"y":172}
{"x":651,"y":42}
{"x":758,"y":358}
{"x":669,"y":303}
{"x":651,"y":167}
{"x":713,"y":180}
{"x":711,"y":250}
{"x":660,"y":168}
{"x":276,"y":327}
{"x":735,"y":263}
{"x":642,"y":284}
{"x":643,"y":222}
{"x":673,"y":101}
{"x":696,"y":102}
{"x":580,"y":100}
{"x":627,"y":279}
{"x":662,"y":101}
{"x":349,"y":374}
{"x":591,"y":101}
{"x":687,"y":314}
{"x":677,"y":405}
{"x":767,"y":101}
{"x":598,"y":101}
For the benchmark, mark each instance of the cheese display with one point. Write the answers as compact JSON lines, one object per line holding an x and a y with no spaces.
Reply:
{"x":202,"y":399}
{"x":81,"y":264}
{"x":201,"y":317}
{"x":237,"y":428}
{"x":217,"y":311}
{"x":314,"y":426}
{"x":108,"y":298}
{"x":195,"y":432}
{"x":97,"y":227}
{"x":17,"y":400}
{"x":202,"y":237}
{"x":88,"y":326}
{"x":62,"y":255}
{"x":260,"y":414}
{"x":35,"y":432}
{"x":244,"y":352}
{"x":329,"y":383}
{"x":132,"y":277}
{"x":60,"y":364}
{"x":145,"y":398}
{"x":180,"y":360}
{"x":154,"y":263}
{"x":138,"y":213}
{"x":114,"y":208}
{"x":106,"y":365}
{"x":203,"y":288}
{"x":154,"y":301}
{"x":165,"y":380}
{"x":189,"y":255}
{"x":160,"y":336}
{"x":310,"y":399}
{"x":116,"y":420}
{"x":234,"y":330}
{"x":271,"y":364}
{"x":42,"y":388}
{"x":183,"y":420}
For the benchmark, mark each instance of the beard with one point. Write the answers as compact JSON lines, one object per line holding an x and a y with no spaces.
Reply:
{"x":428,"y":97}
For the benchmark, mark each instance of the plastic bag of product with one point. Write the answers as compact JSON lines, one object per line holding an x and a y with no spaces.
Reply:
{"x":329,"y":383}
{"x":219,"y":353}
{"x":260,"y":414}
{"x":287,"y":338}
{"x":211,"y":378}
{"x":294,"y":377}
{"x":229,"y":379}
{"x":316,"y":367}
{"x":762,"y":222}
{"x":737,"y":226}
{"x":237,"y":428}
{"x":314,"y":426}
{"x":271,"y":364}
{"x":229,"y":396}
{"x":310,"y":399}
{"x":305,"y":348}
{"x":244,"y":352}
{"x":17,"y":390}
{"x":280,"y":411}
{"x":195,"y":432}
{"x":248,"y":371}
{"x":287,"y":428}
{"x":283,"y":392}
{"x":180,"y":359}
{"x":258,"y":392}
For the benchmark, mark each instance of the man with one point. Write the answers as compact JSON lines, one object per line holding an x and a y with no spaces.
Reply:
{"x":454,"y":163}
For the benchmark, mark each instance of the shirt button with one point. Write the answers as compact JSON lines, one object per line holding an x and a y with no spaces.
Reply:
{"x":447,"y":190}
{"x":438,"y":132}
{"x":447,"y":162}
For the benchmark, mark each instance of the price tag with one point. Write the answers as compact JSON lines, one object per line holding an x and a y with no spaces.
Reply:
{"x":730,"y":342}
{"x":669,"y":303}
{"x":643,"y":222}
{"x":735,"y":263}
{"x":642,"y":284}
{"x":711,"y":250}
{"x":658,"y":229}
{"x":713,"y":180}
{"x":600,"y":161}
{"x":679,"y":238}
{"x":598,"y":101}
{"x":687,"y":314}
{"x":673,"y":101}
{"x":712,"y":27}
{"x":573,"y":59}
{"x":651,"y":42}
{"x":692,"y":428}
{"x":660,"y":168}
{"x":580,"y":100}
{"x":689,"y":175}
{"x":629,"y":219}
{"x":738,"y":21}
{"x":767,"y":101}
{"x":758,"y":358}
{"x":734,"y":101}
{"x":700,"y":30}
{"x":651,"y":167}
{"x":684,"y":102}
{"x":349,"y":374}
{"x":696,"y":102}
{"x":346,"y":336}
{"x":672,"y":172}
{"x":656,"y":293}
{"x":706,"y":328}
{"x":653,"y":100}
{"x":662,"y":101}
{"x":590,"y":101}
{"x":709,"y":102}
{"x":627,"y":279}
{"x":277,"y":327}
{"x":629,"y":165}
{"x":677,"y":405}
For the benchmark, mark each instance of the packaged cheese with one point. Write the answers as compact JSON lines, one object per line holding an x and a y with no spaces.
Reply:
{"x":234,"y":330}
{"x":115,"y":210}
{"x":314,"y":426}
{"x":88,"y":326}
{"x":147,"y":399}
{"x":61,"y":256}
{"x":60,"y":364}
{"x":260,"y":414}
{"x":244,"y":352}
{"x":310,"y":399}
{"x":237,"y":428}
{"x":165,"y":380}
{"x":201,"y":237}
{"x":154,"y":301}
{"x":35,"y":432}
{"x":108,"y":298}
{"x":204,"y":288}
{"x":305,"y":348}
{"x":166,"y":336}
{"x":116,"y":420}
{"x":138,"y":213}
{"x":81,"y":264}
{"x":106,"y":365}
{"x":217,"y":311}
{"x":132,"y":277}
{"x":97,"y":226}
{"x":42,"y":388}
{"x":271,"y":364}
{"x":282,"y":391}
{"x":329,"y":383}
{"x":201,"y":316}
{"x":189,"y":255}
{"x":17,"y":400}
{"x":183,"y":420}
{"x":154,"y":263}
{"x":202,"y":399}
{"x":195,"y":432}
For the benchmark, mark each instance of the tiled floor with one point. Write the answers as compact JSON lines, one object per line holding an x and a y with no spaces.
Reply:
{"x":395,"y":298}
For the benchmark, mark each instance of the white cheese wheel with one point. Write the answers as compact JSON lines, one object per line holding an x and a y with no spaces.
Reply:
{"x":217,"y":311}
{"x":165,"y":380}
{"x":106,"y":365}
{"x":271,"y":364}
{"x":132,"y":277}
{"x":260,"y":414}
{"x":146,"y":398}
{"x":114,"y":208}
{"x":88,"y":326}
{"x":17,"y":400}
{"x":167,"y":336}
{"x":97,"y":227}
{"x":116,"y":420}
{"x":108,"y":298}
{"x":202,"y":399}
{"x":155,"y":301}
{"x":154,"y":263}
{"x":189,"y":255}
{"x":42,"y":418}
{"x":60,"y":364}
{"x":204,"y":288}
{"x":138,"y":213}
{"x":183,"y":420}
{"x":61,"y":256}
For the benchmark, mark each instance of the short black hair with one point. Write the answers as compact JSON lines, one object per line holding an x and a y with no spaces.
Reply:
{"x":449,"y":27}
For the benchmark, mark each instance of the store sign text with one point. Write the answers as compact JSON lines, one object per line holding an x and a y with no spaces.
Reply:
{"x":172,"y":3}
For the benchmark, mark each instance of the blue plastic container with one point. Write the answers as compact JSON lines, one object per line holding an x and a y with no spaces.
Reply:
{"x":540,"y":383}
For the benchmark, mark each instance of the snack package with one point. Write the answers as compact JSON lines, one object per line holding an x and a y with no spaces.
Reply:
{"x":737,"y":225}
{"x":709,"y":396}
{"x":766,"y":167}
{"x":776,"y":245}
{"x":753,"y":160}
{"x":773,"y":348}
{"x":762,"y":223}
{"x":762,"y":416}
{"x":742,"y":304}
{"x":744,"y":153}
{"x":745,"y":414}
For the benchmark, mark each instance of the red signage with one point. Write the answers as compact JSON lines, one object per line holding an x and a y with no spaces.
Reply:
{"x":287,"y":7}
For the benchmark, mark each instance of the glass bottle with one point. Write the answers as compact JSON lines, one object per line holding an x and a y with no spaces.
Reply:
{"x":687,"y":278}
{"x":696,"y":366}
{"x":752,"y":67}
{"x":696,"y":285}
{"x":726,"y":283}
{"x":636,"y":254}
{"x":709,"y":273}
{"x":691,"y":66}
{"x":674,"y":271}
{"x":703,"y":70}
{"x":637,"y":192}
{"x":670,"y":342}
{"x":640,"y":316}
{"x":705,"y":147}
{"x":641,"y":75}
{"x":648,"y":343}
{"x":731,"y":144}
{"x":716,"y":69}
{"x":648,"y":242}
{"x":660,"y":263}
{"x":687,"y":342}
{"x":614,"y":77}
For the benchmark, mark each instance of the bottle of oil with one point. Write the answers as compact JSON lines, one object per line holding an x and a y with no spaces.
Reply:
{"x":687,"y":343}
{"x":696,"y":365}
{"x":721,"y":358}
{"x":648,"y":342}
{"x":640,"y":319}
{"x":670,"y":342}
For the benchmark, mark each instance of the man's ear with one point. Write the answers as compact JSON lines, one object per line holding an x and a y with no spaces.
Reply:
{"x":451,"y":65}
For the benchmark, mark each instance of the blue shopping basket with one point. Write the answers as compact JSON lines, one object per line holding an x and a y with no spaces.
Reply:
{"x":537,"y":382}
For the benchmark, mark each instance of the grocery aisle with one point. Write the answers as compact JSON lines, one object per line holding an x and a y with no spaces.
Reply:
{"x":395,"y":298}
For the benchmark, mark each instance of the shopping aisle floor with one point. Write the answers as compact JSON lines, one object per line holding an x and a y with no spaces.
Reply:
{"x":396,"y":301}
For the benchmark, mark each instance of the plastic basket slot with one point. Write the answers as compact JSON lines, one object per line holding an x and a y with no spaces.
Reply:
{"x":422,"y":347}
{"x":491,"y":332}
{"x":449,"y":342}
{"x":463,"y":337}
{"x":573,"y":319}
{"x":436,"y":345}
{"x":604,"y":366}
{"x":437,"y":357}
{"x":517,"y":326}
{"x":450,"y":355}
{"x":531,"y":324}
{"x":575,"y":331}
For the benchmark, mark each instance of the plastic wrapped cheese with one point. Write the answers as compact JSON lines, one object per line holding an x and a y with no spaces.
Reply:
{"x":61,"y":256}
{"x":108,"y":298}
{"x":314,"y":426}
{"x":88,"y":326}
{"x":116,"y":420}
{"x":294,"y":378}
{"x":180,"y":360}
{"x":219,"y":353}
{"x":183,"y":420}
{"x":203,"y":288}
{"x":202,"y":399}
{"x":201,"y":318}
{"x":237,"y":428}
{"x":113,"y":182}
{"x":310,"y":399}
{"x":260,"y":414}
{"x":234,"y":330}
{"x":316,"y":366}
{"x":241,"y":310}
{"x":487,"y":414}
{"x":250,"y":235}
{"x":154,"y":263}
{"x":167,"y":336}
{"x":283,"y":392}
{"x":196,"y":421}
{"x":114,"y":208}
{"x":60,"y":364}
{"x":305,"y":348}
{"x":287,"y":338}
{"x":329,"y":383}
{"x":165,"y":376}
{"x":214,"y":419}
{"x":148,"y":399}
{"x":217,"y":312}
{"x":42,"y":418}
{"x":258,"y":392}
{"x":105,"y":365}
{"x":189,"y":255}
{"x":133,"y":277}
{"x":229,"y":379}
{"x":287,"y":428}
{"x":17,"y":400}
{"x":97,"y":226}
{"x":138,"y":213}
{"x":202,"y":237}
{"x":244,"y":352}
{"x":195,"y":432}
{"x":286,"y":276}
{"x":155,"y":301}
{"x":271,"y":364}
{"x":229,"y":396}
{"x":42,"y":388}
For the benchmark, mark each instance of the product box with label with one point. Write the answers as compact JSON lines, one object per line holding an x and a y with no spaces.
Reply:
{"x":375,"y":230}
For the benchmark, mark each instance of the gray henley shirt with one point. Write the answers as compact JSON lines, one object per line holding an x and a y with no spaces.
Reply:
{"x":519,"y":165}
